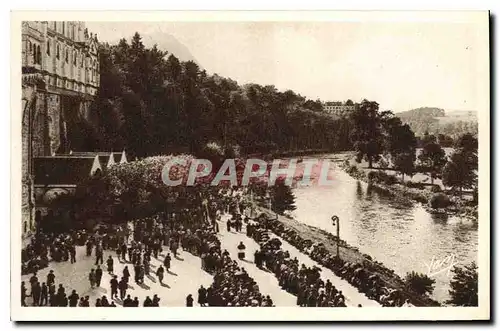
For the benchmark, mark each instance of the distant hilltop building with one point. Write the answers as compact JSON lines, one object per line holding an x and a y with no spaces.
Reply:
{"x":60,"y":77}
{"x":339,"y":108}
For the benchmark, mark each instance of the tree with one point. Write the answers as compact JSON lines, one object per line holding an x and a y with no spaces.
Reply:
{"x":400,"y":142}
{"x":282,"y":197}
{"x":432,"y":157}
{"x":419,"y":283}
{"x":464,"y":286}
{"x":460,"y":171}
{"x":366,"y":133}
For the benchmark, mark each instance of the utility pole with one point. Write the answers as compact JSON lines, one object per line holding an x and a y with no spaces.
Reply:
{"x":336,"y":221}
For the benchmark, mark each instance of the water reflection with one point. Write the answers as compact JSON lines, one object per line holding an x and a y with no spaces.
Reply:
{"x":401,"y":234}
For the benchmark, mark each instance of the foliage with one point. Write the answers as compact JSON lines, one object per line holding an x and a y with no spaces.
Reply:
{"x":436,"y":189}
{"x":464,"y":286}
{"x":433,"y":157}
{"x":367,"y":132}
{"x":282,"y":198}
{"x":439,"y":200}
{"x":419,"y":283}
{"x":382,"y":177}
{"x":150,"y":103}
{"x":460,"y":171}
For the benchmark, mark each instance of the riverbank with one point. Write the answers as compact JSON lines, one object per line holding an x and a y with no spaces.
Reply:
{"x":350,"y":254}
{"x":409,"y":194}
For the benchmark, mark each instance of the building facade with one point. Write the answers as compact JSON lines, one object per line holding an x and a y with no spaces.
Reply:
{"x":339,"y":108}
{"x":60,"y":77}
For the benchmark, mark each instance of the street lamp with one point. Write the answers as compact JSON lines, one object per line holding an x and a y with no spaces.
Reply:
{"x":336,"y":221}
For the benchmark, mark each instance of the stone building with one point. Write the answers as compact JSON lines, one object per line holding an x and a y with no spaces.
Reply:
{"x":339,"y":108}
{"x":60,"y":77}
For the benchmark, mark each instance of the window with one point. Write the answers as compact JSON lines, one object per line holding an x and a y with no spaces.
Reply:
{"x":35,"y":56}
{"x":57,"y":52}
{"x":62,"y":27}
{"x":67,"y":54}
{"x":81,"y":64}
{"x":48,"y":47}
{"x":74,"y":58}
{"x":38,"y":55}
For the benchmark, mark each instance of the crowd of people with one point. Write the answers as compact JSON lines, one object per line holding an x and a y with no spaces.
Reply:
{"x":301,"y":281}
{"x":354,"y":273}
{"x":189,"y":229}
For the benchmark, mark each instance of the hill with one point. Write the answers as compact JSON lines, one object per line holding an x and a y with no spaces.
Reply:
{"x":437,"y":121}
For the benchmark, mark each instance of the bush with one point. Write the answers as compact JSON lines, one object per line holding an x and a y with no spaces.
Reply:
{"x":436,"y":189}
{"x":419,"y":186}
{"x":439,"y":200}
{"x":464,"y":286}
{"x":419,"y":283}
{"x":382,"y":178}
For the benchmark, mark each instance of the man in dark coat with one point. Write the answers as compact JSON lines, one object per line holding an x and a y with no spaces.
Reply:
{"x":114,"y":287}
{"x":189,"y":301}
{"x":73,"y":299}
{"x":122,"y":285}
{"x":98,"y":275}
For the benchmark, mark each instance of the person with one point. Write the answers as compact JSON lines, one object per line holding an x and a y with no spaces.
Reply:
{"x":148,"y":302}
{"x":126,"y":274}
{"x":92,"y":278}
{"x":33,"y":279}
{"x":124,"y":250}
{"x":128,"y":302}
{"x":122,"y":285}
{"x":44,"y":295}
{"x":135,"y":303}
{"x":202,"y":296}
{"x":88,"y":245}
{"x":36,"y":291}
{"x":99,"y":254}
{"x":98,"y":276}
{"x":160,"y":272}
{"x":166,"y":262}
{"x":51,"y":278}
{"x":189,"y":301}
{"x":241,"y":249}
{"x":228,"y":225}
{"x":104,"y":301}
{"x":98,"y":302}
{"x":114,"y":287}
{"x":23,"y":294}
{"x":72,"y":252}
{"x":73,"y":299}
{"x":156,"y":301}
{"x":109,"y":262}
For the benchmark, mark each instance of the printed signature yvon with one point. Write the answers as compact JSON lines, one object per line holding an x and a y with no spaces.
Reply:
{"x":438,"y":266}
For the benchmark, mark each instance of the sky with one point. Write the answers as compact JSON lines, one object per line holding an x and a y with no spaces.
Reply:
{"x":401,"y":65}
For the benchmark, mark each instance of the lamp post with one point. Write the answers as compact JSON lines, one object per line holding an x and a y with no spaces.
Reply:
{"x":336,"y":221}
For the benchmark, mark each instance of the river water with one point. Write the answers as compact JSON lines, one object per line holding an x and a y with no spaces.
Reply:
{"x":403,"y":236}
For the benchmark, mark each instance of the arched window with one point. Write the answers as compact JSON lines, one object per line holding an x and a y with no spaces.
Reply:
{"x":67,"y":55}
{"x":57,"y":52}
{"x":34,"y":54}
{"x":48,"y":47}
{"x":74,"y":58}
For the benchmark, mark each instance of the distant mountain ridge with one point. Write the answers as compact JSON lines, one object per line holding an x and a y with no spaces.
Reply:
{"x":437,"y":121}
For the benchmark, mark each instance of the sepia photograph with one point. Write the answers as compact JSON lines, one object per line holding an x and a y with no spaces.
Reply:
{"x":293,"y":166}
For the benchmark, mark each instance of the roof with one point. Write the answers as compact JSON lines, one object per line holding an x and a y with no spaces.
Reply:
{"x":64,"y":170}
{"x":103,"y":156}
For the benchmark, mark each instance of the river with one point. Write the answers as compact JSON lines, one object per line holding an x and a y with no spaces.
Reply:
{"x":403,"y":236}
